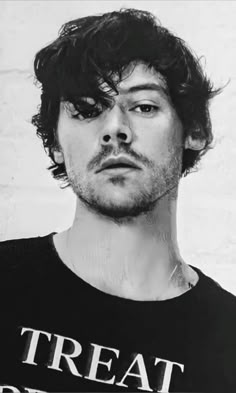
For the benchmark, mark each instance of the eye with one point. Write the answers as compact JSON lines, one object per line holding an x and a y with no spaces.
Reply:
{"x":146,"y":109}
{"x":87,"y":113}
{"x":83,"y":110}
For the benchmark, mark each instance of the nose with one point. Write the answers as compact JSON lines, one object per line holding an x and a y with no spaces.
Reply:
{"x":116,"y":128}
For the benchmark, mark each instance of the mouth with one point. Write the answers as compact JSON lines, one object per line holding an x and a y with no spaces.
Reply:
{"x":118,"y":165}
{"x":119,"y":170}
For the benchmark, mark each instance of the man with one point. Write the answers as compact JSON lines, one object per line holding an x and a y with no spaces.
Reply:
{"x":109,"y":304}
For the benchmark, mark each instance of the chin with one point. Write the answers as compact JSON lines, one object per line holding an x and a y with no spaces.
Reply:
{"x":118,"y":209}
{"x":119,"y":203}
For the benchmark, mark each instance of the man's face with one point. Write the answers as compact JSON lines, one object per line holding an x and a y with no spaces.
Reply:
{"x":140,"y":125}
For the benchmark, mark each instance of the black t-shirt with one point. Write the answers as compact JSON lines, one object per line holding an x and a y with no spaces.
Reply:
{"x":60,"y":334}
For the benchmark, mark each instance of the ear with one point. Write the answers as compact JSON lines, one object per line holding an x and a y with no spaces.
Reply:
{"x":58,"y":156}
{"x":194,"y":144}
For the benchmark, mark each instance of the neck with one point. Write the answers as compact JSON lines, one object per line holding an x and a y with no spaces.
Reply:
{"x":133,"y":258}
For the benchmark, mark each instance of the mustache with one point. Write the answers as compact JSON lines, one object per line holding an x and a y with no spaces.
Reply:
{"x":108,"y":150}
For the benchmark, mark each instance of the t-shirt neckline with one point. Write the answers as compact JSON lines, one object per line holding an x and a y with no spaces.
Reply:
{"x":73,"y":280}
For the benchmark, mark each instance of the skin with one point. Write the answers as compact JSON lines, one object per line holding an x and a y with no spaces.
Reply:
{"x":123,"y":239}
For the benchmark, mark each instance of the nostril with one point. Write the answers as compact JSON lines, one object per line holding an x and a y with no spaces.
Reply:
{"x":122,"y":136}
{"x":106,"y":138}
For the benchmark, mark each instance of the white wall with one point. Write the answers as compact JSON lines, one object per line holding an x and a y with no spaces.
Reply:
{"x":31,"y":202}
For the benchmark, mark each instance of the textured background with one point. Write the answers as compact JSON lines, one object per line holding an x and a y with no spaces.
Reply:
{"x":31,"y":202}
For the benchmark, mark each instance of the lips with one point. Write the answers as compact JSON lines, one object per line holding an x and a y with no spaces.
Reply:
{"x":118,"y":163}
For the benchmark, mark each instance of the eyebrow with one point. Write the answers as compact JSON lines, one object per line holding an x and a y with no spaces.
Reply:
{"x":145,"y":86}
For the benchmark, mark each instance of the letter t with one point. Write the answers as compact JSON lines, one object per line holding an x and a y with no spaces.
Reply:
{"x":34,"y":338}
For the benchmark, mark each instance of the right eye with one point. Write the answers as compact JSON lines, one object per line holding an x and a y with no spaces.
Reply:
{"x":86,"y":113}
{"x":83,"y":110}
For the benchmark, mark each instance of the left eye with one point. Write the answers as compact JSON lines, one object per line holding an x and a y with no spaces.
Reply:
{"x":146,"y":108}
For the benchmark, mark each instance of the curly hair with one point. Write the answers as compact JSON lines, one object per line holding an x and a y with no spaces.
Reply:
{"x":97,"y":48}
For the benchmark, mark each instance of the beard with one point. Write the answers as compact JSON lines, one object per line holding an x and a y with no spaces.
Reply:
{"x":141,"y":200}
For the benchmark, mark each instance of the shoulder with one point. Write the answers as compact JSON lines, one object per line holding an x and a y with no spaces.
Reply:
{"x":13,"y":250}
{"x":216,"y":301}
{"x":18,"y":257}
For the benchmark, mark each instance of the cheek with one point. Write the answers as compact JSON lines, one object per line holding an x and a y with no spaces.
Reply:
{"x":76,"y":148}
{"x":160,"y":140}
{"x":76,"y":154}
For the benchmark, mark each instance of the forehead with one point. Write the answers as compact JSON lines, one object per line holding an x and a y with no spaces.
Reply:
{"x":137,"y":77}
{"x":140,"y":74}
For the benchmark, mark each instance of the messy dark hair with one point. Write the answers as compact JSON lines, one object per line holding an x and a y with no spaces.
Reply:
{"x":94,"y":49}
